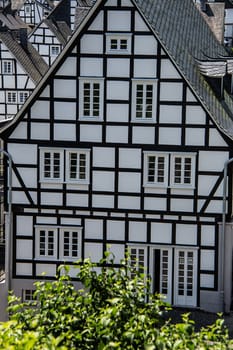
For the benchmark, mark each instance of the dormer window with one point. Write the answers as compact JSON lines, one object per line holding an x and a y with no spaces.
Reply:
{"x":118,"y":43}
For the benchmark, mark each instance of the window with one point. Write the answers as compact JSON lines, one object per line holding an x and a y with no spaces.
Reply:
{"x":182,"y":169}
{"x":137,"y":259}
{"x":7,"y":67}
{"x":77,"y":166}
{"x":28,"y":295}
{"x":70,"y":244}
{"x":54,"y":161}
{"x":22,"y":96}
{"x":156,"y":173}
{"x":51,"y":165}
{"x":156,"y":169}
{"x":58,"y":243}
{"x":55,"y":50}
{"x":46,"y":243}
{"x":144,"y":100}
{"x":16,"y":97}
{"x":91,"y":99}
{"x":27,"y":9}
{"x":118,"y":43}
{"x":11,"y":97}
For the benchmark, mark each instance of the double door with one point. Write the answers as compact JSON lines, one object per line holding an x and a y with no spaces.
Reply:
{"x":174,"y":274}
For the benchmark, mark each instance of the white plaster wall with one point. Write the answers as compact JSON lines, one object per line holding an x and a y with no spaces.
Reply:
{"x":171,"y":91}
{"x":207,"y":259}
{"x":185,"y":205}
{"x":50,"y":270}
{"x":212,"y":161}
{"x":23,"y":153}
{"x":93,"y":229}
{"x":45,"y":220}
{"x":119,"y":20}
{"x":103,"y":157}
{"x":168,"y":71}
{"x":117,"y":90}
{"x":91,"y":43}
{"x":145,"y":45}
{"x":41,"y":110}
{"x":94,"y":251}
{"x":128,"y":202}
{"x":77,"y":200}
{"x":194,"y":137}
{"x":118,"y":67}
{"x":207,"y":235}
{"x":169,"y":136}
{"x":24,"y":225}
{"x":24,"y":269}
{"x":103,"y":181}
{"x":97,"y":23}
{"x":40,"y":131}
{"x":186,"y":234}
{"x":65,"y":132}
{"x":115,"y":230}
{"x":68,"y":68}
{"x":130,"y":158}
{"x":65,"y":110}
{"x":29,"y":177}
{"x":206,"y":281}
{"x":90,"y":67}
{"x":118,"y":251}
{"x":91,"y":133}
{"x":24,"y":249}
{"x":144,"y":68}
{"x":140,"y":24}
{"x":20,"y":131}
{"x":102,"y":201}
{"x":215,"y":139}
{"x":51,"y":198}
{"x":137,"y":231}
{"x":206,"y":183}
{"x":143,"y":135}
{"x":65,"y":88}
{"x":195,"y":115}
{"x":117,"y":112}
{"x":151,"y":203}
{"x":129,"y":182}
{"x":118,"y":134}
{"x":170,"y":114}
{"x":161,"y":232}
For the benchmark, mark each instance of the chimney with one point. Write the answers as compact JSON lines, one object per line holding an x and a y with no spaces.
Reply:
{"x":23,"y":38}
{"x":203,"y":5}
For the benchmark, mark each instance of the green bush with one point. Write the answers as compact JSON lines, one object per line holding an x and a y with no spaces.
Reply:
{"x":113,"y":311}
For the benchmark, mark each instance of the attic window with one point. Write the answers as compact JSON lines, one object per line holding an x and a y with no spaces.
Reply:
{"x":118,"y":43}
{"x":55,"y":50}
{"x":28,"y":9}
{"x":7,"y":67}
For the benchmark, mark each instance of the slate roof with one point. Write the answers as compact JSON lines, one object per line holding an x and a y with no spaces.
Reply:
{"x":29,"y":58}
{"x":60,"y":29}
{"x":185,"y":36}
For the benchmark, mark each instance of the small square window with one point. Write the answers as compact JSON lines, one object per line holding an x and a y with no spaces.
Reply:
{"x":118,"y":43}
{"x":28,"y":295}
{"x":55,"y":50}
{"x":114,"y":45}
{"x":22,"y":96}
{"x":11,"y":97}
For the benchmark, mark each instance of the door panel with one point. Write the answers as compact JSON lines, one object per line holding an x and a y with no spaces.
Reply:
{"x":162,"y":272}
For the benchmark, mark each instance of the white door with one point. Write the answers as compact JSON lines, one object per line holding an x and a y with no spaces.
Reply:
{"x":185,"y":287}
{"x":162,"y":272}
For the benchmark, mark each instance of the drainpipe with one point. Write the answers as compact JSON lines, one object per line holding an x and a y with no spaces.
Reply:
{"x":223,"y":241}
{"x":8,"y":238}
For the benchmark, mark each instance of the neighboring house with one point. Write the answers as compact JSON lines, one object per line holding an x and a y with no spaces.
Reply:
{"x":21,"y":65}
{"x":32,"y":12}
{"x":123,"y":143}
{"x":51,"y":34}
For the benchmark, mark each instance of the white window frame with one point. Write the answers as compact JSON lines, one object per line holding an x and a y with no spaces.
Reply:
{"x":47,"y":230}
{"x":7,"y":67}
{"x":70,"y":231}
{"x":25,"y":95}
{"x":78,"y":179}
{"x":156,"y":182}
{"x":56,"y":48}
{"x":52,"y":151}
{"x":118,"y":37}
{"x":145,"y":83}
{"x":91,"y":115}
{"x":11,"y":97}
{"x":27,"y":9}
{"x":137,"y":249}
{"x":182,"y":183}
{"x":28,"y":295}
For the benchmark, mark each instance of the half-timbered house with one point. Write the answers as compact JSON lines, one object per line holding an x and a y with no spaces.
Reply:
{"x":32,"y":12}
{"x":51,"y":34}
{"x":124,"y":143}
{"x":21,"y":66}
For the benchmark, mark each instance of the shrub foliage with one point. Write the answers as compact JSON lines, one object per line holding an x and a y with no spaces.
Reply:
{"x":114,"y":310}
